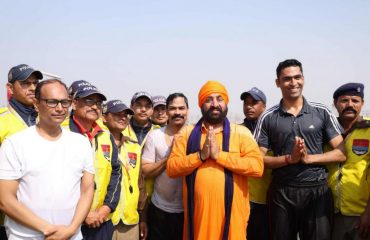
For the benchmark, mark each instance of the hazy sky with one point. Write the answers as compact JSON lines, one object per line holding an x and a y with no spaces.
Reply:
{"x":176,"y":46}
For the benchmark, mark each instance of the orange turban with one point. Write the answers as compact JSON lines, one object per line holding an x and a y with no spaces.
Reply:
{"x":212,"y":87}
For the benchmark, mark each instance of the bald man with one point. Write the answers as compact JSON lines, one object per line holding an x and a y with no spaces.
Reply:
{"x":215,"y":157}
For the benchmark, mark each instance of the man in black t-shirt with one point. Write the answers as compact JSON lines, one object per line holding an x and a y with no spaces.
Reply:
{"x":296,"y":131}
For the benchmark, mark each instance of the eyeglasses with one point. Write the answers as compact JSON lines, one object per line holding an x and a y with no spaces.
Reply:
{"x":66,"y":103}
{"x":91,"y":102}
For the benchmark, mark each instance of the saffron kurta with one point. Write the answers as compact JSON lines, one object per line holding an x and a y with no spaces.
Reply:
{"x":243,"y":159}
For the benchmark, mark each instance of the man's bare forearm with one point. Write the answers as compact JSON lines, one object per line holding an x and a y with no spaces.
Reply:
{"x":84,"y":203}
{"x":16,"y":210}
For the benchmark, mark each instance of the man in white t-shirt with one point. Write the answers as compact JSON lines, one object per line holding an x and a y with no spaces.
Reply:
{"x":166,"y":214}
{"x":46,"y":173}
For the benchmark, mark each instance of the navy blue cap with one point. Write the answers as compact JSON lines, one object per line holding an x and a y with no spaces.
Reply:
{"x":21,"y":72}
{"x":255,"y":93}
{"x":139,"y":95}
{"x":76,"y":85}
{"x":85,"y":91}
{"x":159,"y":100}
{"x":352,"y":89}
{"x":116,"y":106}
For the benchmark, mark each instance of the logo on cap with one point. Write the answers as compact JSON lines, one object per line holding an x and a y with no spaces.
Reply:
{"x":24,"y":67}
{"x":83,"y":84}
{"x":117,"y":102}
{"x":89,"y":88}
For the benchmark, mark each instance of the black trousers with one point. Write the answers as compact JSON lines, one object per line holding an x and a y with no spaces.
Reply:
{"x":307,"y":211}
{"x":258,"y":228}
{"x":164,"y":225}
{"x":3,"y":233}
{"x":104,"y":232}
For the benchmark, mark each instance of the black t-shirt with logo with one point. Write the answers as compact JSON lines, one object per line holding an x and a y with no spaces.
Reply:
{"x":276,"y":131}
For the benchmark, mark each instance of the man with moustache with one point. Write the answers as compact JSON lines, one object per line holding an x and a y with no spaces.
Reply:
{"x":166,"y":213}
{"x":86,"y":110}
{"x":20,"y":112}
{"x":254,"y":104}
{"x":349,"y":181}
{"x":216,"y":158}
{"x":159,"y":116}
{"x":296,"y":130}
{"x":46,"y":173}
{"x":129,"y":217}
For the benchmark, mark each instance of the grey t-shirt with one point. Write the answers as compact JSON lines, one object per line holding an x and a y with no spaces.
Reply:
{"x":167,"y":194}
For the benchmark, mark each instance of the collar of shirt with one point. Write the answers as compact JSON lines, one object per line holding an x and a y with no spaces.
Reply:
{"x":360,"y":123}
{"x":306,"y":108}
{"x":135,"y":125}
{"x":90,"y":134}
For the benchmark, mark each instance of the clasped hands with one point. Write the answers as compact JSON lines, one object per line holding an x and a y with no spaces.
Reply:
{"x":95,"y":218}
{"x":299,"y":152}
{"x":59,"y":232}
{"x":210,"y":147}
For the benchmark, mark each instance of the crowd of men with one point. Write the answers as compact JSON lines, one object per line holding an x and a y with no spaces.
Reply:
{"x":76,"y":165}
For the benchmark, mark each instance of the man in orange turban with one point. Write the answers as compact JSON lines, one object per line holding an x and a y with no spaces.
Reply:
{"x":212,"y":87}
{"x":215,"y":157}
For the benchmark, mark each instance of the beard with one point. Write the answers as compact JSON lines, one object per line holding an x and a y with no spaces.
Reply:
{"x":214,"y":119}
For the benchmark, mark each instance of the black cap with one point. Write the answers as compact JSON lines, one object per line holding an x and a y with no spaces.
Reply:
{"x":139,"y":95}
{"x":352,"y":89}
{"x":158,"y":100}
{"x":21,"y":72}
{"x":86,"y":91}
{"x":255,"y":93}
{"x":115,"y":106}
{"x":76,"y":85}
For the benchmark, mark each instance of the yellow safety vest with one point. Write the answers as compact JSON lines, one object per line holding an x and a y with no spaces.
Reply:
{"x":103,"y":148}
{"x":350,"y":181}
{"x":258,"y":187}
{"x":130,"y":158}
{"x":129,"y":132}
{"x":10,"y":123}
